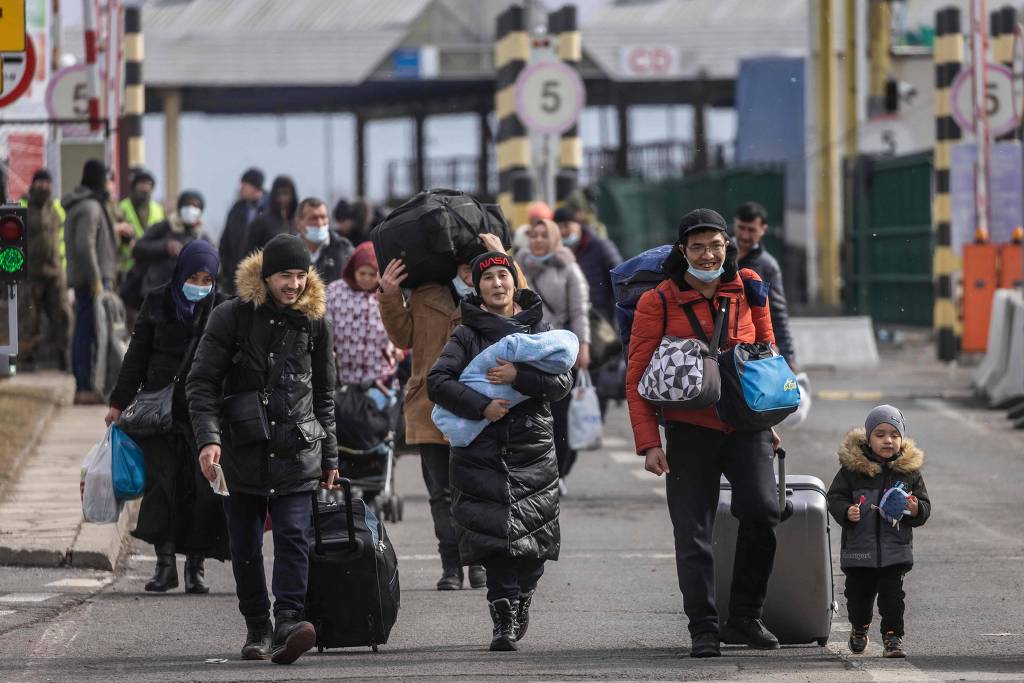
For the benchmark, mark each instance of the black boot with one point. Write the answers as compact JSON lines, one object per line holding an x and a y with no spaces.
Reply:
{"x":477,"y":576}
{"x":166,"y":575}
{"x":292,"y":638}
{"x":195,"y":575}
{"x":451,"y":579}
{"x":748,"y":631}
{"x":257,"y":640}
{"x":523,"y":614}
{"x":503,"y":614}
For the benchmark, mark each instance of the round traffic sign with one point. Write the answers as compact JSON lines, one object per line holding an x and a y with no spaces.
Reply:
{"x":1001,"y":99}
{"x":18,"y":69}
{"x":549,"y":97}
{"x":67,"y":95}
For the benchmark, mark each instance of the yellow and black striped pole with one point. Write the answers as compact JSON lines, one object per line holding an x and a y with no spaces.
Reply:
{"x":511,"y":53}
{"x":1002,"y":23}
{"x":134,"y":90}
{"x":563,"y":28}
{"x":949,"y":57}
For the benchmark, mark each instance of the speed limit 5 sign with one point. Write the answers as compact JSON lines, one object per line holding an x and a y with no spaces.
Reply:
{"x":549,"y":97}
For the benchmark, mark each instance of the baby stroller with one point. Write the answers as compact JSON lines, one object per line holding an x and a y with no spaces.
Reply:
{"x":366,"y":421}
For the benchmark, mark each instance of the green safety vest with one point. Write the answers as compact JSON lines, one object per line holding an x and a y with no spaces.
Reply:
{"x":61,"y":249}
{"x":156,"y":214}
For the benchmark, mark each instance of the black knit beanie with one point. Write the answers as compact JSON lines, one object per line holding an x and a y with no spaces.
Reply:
{"x":488,"y":260}
{"x":94,"y":175}
{"x":284,"y":252}
{"x":42,"y":174}
{"x":188,"y":196}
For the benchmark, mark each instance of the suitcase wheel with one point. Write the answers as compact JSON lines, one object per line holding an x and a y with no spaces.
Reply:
{"x":320,"y":649}
{"x":399,"y":508}
{"x":375,"y":648}
{"x":822,"y":642}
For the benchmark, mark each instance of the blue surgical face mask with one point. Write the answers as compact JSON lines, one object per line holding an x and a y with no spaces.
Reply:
{"x":706,"y":275}
{"x":318,"y":234}
{"x":571,"y":240}
{"x":196,"y":293}
{"x":541,"y":259}
{"x":461,"y":288}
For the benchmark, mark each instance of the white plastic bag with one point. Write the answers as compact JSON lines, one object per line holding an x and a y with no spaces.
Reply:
{"x":98,"y":502}
{"x":584,"y":415}
{"x":795,"y":419}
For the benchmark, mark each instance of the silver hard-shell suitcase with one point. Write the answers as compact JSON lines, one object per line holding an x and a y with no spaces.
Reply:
{"x":800,"y":601}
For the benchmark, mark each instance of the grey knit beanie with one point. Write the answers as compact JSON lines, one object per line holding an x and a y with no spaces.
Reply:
{"x":886,"y":414}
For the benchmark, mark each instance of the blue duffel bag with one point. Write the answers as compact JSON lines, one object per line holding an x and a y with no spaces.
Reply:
{"x":758,"y":387}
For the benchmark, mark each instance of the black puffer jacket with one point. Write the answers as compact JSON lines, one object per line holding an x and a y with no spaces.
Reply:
{"x":235,"y":355}
{"x":765,"y":265}
{"x":873,"y":542}
{"x":333,"y":257}
{"x":158,"y":345}
{"x":505,"y":483}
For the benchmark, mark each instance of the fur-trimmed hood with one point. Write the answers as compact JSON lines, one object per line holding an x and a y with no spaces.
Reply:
{"x":852,"y":456}
{"x":250,"y":287}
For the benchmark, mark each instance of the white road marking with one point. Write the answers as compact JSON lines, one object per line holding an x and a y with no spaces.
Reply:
{"x":142,"y":558}
{"x":660,"y":492}
{"x":27,"y":597}
{"x":626,"y":555}
{"x":1001,"y":635}
{"x":945,"y":409}
{"x":875,"y":667}
{"x":614,"y":441}
{"x":80,"y":583}
{"x":626,"y":458}
{"x":643,"y":475}
{"x":840,"y":628}
{"x":5,"y":612}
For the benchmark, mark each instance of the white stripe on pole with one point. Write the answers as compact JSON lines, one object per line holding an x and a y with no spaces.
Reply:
{"x":979,"y":57}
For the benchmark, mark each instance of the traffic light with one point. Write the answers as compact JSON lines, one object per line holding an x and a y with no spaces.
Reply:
{"x":13,"y":261}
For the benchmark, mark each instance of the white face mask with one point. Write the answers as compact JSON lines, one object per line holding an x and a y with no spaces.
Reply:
{"x":706,"y":275}
{"x":190,"y":215}
{"x":318,"y":234}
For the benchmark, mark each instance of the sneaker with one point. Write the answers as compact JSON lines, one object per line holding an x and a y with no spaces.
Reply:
{"x":750,"y":632}
{"x":477,"y":576}
{"x":451,"y":580}
{"x":893,"y":646}
{"x":858,"y":640}
{"x":705,"y":645}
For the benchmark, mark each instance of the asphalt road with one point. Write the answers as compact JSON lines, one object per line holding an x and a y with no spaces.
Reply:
{"x":610,"y":609}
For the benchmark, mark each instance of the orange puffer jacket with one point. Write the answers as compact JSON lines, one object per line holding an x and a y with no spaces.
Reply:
{"x":749,"y":321}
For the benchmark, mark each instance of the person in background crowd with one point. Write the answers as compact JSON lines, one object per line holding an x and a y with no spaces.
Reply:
{"x":362,"y":351}
{"x":279,"y":217}
{"x":355,"y":220}
{"x":156,"y":253}
{"x":553,"y":273}
{"x":280,"y":297}
{"x":700,"y":447}
{"x":505,"y":483}
{"x":139,"y":210}
{"x":180,"y":513}
{"x":584,"y":203}
{"x":91,"y":244}
{"x":235,"y":241}
{"x":749,"y":227}
{"x":45,"y":290}
{"x":423,"y":323}
{"x":595,"y":255}
{"x":328,"y":250}
{"x":539,"y":210}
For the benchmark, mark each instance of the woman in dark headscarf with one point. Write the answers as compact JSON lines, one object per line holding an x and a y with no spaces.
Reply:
{"x":180,"y":513}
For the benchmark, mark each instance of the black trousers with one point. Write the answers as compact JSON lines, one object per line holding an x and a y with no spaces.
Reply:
{"x":292,"y":521}
{"x":435,"y":459}
{"x":864,"y":583}
{"x":697,"y":458}
{"x":510,"y":577}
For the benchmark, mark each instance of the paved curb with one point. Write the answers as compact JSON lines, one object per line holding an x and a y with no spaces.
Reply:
{"x":102,"y":546}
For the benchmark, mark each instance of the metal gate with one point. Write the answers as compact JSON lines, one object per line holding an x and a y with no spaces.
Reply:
{"x":888,"y":239}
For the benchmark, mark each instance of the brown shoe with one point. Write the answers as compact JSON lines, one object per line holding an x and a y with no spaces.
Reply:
{"x":87,"y":398}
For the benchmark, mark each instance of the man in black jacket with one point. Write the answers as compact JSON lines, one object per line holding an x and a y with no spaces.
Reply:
{"x":749,"y":227}
{"x":236,"y":240}
{"x":328,"y":250}
{"x":278,"y":317}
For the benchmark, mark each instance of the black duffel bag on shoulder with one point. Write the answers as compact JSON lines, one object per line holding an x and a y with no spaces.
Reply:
{"x":434,"y":231}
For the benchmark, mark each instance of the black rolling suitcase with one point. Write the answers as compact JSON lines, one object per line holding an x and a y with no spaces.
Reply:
{"x":353,"y":595}
{"x":800,"y":601}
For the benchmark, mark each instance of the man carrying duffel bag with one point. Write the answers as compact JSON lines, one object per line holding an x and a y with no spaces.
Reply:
{"x":673,"y":368}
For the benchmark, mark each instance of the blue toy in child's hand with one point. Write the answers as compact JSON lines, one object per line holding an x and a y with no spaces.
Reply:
{"x":894,"y":503}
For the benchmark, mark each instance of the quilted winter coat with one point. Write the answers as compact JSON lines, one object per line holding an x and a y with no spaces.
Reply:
{"x":505,"y":483}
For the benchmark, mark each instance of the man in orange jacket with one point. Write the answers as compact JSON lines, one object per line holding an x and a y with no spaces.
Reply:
{"x":700,"y":448}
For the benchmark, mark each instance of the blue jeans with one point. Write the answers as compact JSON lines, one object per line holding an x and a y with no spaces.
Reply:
{"x":84,"y":339}
{"x":291,"y":517}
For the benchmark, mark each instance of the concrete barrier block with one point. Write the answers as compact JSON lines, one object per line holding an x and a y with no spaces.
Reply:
{"x":837,"y":343}
{"x":1009,"y":385}
{"x":997,"y":351}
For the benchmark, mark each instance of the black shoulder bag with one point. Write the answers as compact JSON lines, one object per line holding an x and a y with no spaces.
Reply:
{"x":150,"y":412}
{"x":246,"y":412}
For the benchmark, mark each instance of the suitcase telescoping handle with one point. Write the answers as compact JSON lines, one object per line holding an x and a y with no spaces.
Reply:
{"x":785,"y":505}
{"x":346,"y":488}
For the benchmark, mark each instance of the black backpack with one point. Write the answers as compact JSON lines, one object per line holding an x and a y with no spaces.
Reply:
{"x":435,"y":231}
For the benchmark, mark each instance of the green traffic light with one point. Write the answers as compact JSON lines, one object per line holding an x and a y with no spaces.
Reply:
{"x":12,"y":260}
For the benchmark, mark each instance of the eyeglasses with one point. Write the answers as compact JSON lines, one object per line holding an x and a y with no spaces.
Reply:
{"x":700,"y":249}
